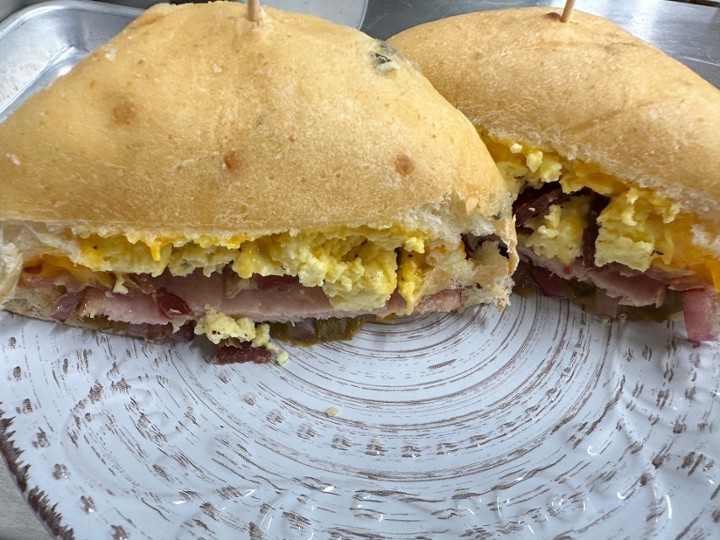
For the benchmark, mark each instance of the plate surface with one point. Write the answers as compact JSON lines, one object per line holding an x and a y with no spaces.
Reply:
{"x":538,"y":422}
{"x":541,"y":421}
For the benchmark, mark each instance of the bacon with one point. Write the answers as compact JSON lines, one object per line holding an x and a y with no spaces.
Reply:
{"x":592,"y":229}
{"x":550,"y":284}
{"x":140,"y":282}
{"x":234,"y":284}
{"x":532,"y":202}
{"x":171,"y":305}
{"x":263,"y":283}
{"x":240,"y":352}
{"x":700,"y":307}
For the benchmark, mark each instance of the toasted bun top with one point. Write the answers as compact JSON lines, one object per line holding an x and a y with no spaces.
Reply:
{"x":195,"y":119}
{"x":586,"y":89}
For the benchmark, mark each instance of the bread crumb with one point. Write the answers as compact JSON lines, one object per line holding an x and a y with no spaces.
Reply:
{"x":332,"y":412}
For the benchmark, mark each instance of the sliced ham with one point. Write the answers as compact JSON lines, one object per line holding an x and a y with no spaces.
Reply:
{"x":631,"y":287}
{"x":180,"y":299}
{"x":132,"y":308}
{"x":444,"y":301}
{"x":575,"y":271}
{"x":618,"y":286}
{"x":701,"y":314}
{"x":637,"y":290}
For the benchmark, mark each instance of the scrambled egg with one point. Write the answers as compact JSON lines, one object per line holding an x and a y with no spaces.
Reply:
{"x":559,"y":232}
{"x":218,"y":327}
{"x":358,"y":269}
{"x":637,"y":228}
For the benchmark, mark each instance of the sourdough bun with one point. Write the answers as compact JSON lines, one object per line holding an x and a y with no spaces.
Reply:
{"x":195,"y":120}
{"x":586,"y":89}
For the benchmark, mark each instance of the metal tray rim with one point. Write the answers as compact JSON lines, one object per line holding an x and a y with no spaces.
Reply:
{"x":21,"y":16}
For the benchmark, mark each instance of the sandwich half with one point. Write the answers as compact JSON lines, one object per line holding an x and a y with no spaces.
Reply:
{"x":611,"y":150}
{"x":202,"y":174}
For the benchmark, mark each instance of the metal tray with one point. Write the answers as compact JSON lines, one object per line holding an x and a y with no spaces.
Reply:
{"x":43,"y":41}
{"x":69,"y":29}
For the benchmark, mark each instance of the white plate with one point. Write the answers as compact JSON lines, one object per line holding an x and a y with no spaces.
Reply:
{"x":537,"y":422}
{"x":542,"y":421}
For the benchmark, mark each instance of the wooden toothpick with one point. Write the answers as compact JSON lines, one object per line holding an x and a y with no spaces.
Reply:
{"x":253,"y":10}
{"x":567,"y":11}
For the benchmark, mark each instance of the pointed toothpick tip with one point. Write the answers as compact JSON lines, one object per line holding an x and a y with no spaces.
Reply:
{"x":567,"y":10}
{"x":253,"y":10}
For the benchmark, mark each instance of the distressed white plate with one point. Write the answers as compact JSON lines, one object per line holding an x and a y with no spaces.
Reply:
{"x":538,"y":422}
{"x":541,"y":421}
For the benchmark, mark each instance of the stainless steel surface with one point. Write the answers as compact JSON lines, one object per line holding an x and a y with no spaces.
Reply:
{"x":17,"y":521}
{"x":68,"y":30}
{"x":37,"y":47}
{"x":8,"y":7}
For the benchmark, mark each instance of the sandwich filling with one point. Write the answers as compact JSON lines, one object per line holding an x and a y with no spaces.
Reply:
{"x":618,"y":248}
{"x":239,"y":292}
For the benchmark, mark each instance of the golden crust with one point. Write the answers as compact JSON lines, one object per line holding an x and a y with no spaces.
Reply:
{"x":586,"y":89}
{"x":195,"y":120}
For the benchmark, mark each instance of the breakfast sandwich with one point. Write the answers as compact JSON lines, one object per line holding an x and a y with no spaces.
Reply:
{"x":610,"y":147}
{"x":204,"y":174}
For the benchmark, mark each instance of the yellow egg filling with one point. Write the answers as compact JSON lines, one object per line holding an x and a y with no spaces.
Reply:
{"x":358,"y":269}
{"x":559,"y":232}
{"x":638,"y":228}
